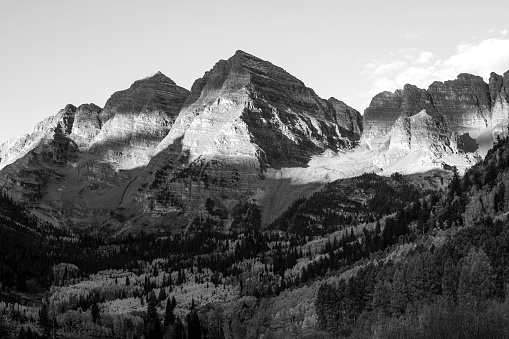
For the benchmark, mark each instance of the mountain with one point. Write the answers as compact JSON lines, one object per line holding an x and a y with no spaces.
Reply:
{"x":244,"y":119}
{"x":75,"y":165}
{"x":474,"y":110}
{"x":249,"y":207}
{"x":156,"y":152}
{"x":247,"y":135}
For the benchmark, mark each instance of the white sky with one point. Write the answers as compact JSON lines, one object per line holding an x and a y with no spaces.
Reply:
{"x":58,"y":52}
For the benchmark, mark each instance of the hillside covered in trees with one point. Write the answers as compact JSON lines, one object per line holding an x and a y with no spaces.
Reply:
{"x":366,"y":257}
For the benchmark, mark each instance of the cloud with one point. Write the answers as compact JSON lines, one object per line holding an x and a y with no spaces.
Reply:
{"x":424,"y":58}
{"x":503,"y":32}
{"x":415,"y":33}
{"x":424,"y":67}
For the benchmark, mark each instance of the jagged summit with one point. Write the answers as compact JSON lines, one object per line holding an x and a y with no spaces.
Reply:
{"x":248,"y":131}
{"x":152,"y":93}
{"x":471,"y":108}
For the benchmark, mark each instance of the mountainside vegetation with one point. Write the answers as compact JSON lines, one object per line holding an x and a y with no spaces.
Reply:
{"x":366,"y":257}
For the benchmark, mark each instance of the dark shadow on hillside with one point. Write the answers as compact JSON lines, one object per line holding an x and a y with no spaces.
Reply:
{"x":467,"y":144}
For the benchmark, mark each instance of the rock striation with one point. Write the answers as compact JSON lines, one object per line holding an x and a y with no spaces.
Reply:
{"x":470,"y":107}
{"x":499,"y":94}
{"x":156,"y":152}
{"x":75,"y":166}
{"x":134,"y":121}
{"x":422,"y":131}
{"x":242,"y":117}
{"x":159,"y":156}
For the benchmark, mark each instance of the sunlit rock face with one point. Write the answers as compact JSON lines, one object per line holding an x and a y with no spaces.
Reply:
{"x":24,"y":173}
{"x":499,"y":92}
{"x":243,"y":105}
{"x":348,"y":119}
{"x":386,"y":107}
{"x":422,"y":131}
{"x":134,"y":121}
{"x":45,"y":130}
{"x":87,"y":125}
{"x":242,"y":117}
{"x":157,"y":152}
{"x":471,"y":108}
{"x":75,"y":166}
{"x":465,"y":102}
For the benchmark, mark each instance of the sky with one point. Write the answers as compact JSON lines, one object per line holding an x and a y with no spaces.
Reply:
{"x":57,"y":52}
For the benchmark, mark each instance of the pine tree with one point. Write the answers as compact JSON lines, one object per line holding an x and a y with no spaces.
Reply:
{"x":499,"y":198}
{"x":95,"y":313}
{"x":382,"y":297}
{"x":455,"y":185}
{"x":449,"y":283}
{"x":162,"y":295}
{"x":476,"y":283}
{"x":44,"y":320}
{"x":194,"y":326}
{"x":399,"y":300}
{"x":169,"y":317}
{"x":153,"y":325}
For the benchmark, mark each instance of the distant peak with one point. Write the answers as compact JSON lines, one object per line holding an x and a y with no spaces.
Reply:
{"x":156,"y":74}
{"x":156,"y":77}
{"x":469,"y":77}
{"x":239,"y":54}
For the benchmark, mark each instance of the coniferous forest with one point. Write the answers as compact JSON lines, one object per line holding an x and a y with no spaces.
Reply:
{"x":366,"y":257}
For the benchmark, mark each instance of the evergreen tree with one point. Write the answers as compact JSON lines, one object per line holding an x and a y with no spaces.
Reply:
{"x":44,"y":320}
{"x":194,"y":326}
{"x":169,"y":317}
{"x":162,"y":295}
{"x":95,"y":313}
{"x":455,"y":185}
{"x":152,"y":324}
{"x":499,"y":198}
{"x":449,"y":282}
{"x":399,"y":300}
{"x":476,"y":283}
{"x":382,"y":297}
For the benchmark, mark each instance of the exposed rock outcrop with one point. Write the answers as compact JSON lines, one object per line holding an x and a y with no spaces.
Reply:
{"x":243,"y":116}
{"x":387,"y":107}
{"x":465,"y":102}
{"x":134,"y":121}
{"x":499,"y":93}
{"x":158,"y":155}
{"x":156,"y":151}
{"x":422,"y":131}
{"x":87,"y":125}
{"x":470,"y":107}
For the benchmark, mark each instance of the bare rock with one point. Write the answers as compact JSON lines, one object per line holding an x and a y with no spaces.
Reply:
{"x":134,"y":121}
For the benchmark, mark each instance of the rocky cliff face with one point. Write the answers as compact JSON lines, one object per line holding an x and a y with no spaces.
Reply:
{"x":422,"y":131}
{"x":158,"y":155}
{"x":499,"y":94}
{"x":244,"y":116}
{"x":387,"y":107}
{"x":76,"y":165}
{"x":156,"y":152}
{"x":87,"y":125}
{"x":465,"y":102}
{"x":134,"y":121}
{"x":471,"y":109}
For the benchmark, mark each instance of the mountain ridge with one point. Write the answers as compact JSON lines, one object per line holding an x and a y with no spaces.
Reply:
{"x":246,"y":132}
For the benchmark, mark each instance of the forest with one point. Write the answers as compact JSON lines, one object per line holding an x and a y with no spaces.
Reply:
{"x":365,"y":257}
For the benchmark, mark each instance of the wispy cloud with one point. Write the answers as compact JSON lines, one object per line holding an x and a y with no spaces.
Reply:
{"x":421,"y":68}
{"x":416,"y":33}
